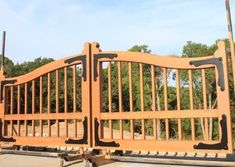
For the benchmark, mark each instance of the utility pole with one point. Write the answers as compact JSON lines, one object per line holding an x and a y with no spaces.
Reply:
{"x":230,"y":31}
{"x":3,"y":49}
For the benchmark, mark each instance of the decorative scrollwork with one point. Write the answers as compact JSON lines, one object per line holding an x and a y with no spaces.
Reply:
{"x":223,"y":145}
{"x":84,"y":138}
{"x":219,"y":65}
{"x":83,"y":59}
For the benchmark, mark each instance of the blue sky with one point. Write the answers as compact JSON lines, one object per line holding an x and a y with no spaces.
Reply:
{"x":58,"y":28}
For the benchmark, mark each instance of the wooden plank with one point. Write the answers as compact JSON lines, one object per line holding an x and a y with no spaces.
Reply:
{"x":155,"y":129}
{"x":110,"y":85}
{"x":49,"y":128}
{"x":75,"y":128}
{"x":143,"y":128}
{"x":57,"y":128}
{"x":66,"y":128}
{"x":74,"y":88}
{"x":12,"y":90}
{"x":121,"y":128}
{"x":120,"y":86}
{"x":132,"y":129}
{"x":57,"y":90}
{"x":33,"y":128}
{"x":130,"y":86}
{"x":141,"y":87}
{"x":65,"y":90}
{"x":173,"y":114}
{"x":178,"y":102}
{"x":44,"y":116}
{"x":191,"y":103}
{"x":206,"y":137}
{"x":33,"y":96}
{"x":40,"y":96}
{"x":40,"y":128}
{"x":49,"y":93}
{"x":26,"y":98}
{"x":165,"y":89}
{"x":111,"y":129}
{"x":18,"y":99}
{"x":153,"y":88}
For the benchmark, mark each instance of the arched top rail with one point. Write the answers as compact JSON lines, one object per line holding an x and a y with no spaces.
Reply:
{"x":160,"y":61}
{"x":55,"y":65}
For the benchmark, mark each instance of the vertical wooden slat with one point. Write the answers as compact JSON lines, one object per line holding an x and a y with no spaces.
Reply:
{"x":40,"y":128}
{"x":65,"y":90}
{"x":205,"y":103}
{"x":18,"y":99}
{"x":165,"y":89}
{"x":57,"y":128}
{"x":40,"y":95}
{"x":178,"y":102}
{"x":75,"y":128}
{"x":143,"y":128}
{"x":121,"y":128}
{"x":57,"y":90}
{"x":120,"y":86}
{"x":166,"y":102}
{"x":132,"y":128}
{"x":18,"y":128}
{"x":33,"y":97}
{"x":141,"y":87}
{"x":167,"y":129}
{"x":49,"y":128}
{"x":12,"y":89}
{"x":111,"y":129}
{"x":74,"y":88}
{"x":26,"y":98}
{"x":11,"y":127}
{"x":49,"y":93}
{"x":26,"y":127}
{"x":191,"y":103}
{"x":153,"y":89}
{"x":33,"y":128}
{"x":66,"y":128}
{"x":155,"y":129}
{"x":130,"y":86}
{"x":110,"y":86}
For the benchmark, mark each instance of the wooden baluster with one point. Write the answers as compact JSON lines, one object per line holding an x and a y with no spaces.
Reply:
{"x":205,"y":103}
{"x":166,"y":102}
{"x":26,"y":98}
{"x":48,"y":92}
{"x":110,"y":85}
{"x":18,"y":99}
{"x":57,"y":90}
{"x":130,"y":86}
{"x":178,"y":103}
{"x":191,"y":103}
{"x":141,"y":87}
{"x":74,"y":88}
{"x":65,"y":90}
{"x":120,"y":86}
{"x":12,"y":90}
{"x":33,"y":97}
{"x":40,"y":96}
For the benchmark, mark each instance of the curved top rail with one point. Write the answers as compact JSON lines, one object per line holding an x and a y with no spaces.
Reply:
{"x":161,"y":61}
{"x":45,"y":69}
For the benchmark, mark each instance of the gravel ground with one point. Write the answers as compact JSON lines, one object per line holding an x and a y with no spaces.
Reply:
{"x":10,"y":160}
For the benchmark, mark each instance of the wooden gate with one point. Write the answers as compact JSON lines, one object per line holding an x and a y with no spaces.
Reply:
{"x":121,"y":101}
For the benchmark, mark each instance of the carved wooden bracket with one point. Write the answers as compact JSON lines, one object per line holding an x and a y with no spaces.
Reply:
{"x":84,"y":138}
{"x":223,"y":145}
{"x":98,"y":142}
{"x":100,"y":56}
{"x":81,"y":58}
{"x":219,"y":65}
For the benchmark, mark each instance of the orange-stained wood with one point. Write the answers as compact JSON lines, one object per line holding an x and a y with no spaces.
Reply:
{"x":136,"y":138}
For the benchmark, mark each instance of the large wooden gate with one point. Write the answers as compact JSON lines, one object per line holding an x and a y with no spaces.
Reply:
{"x":121,"y":101}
